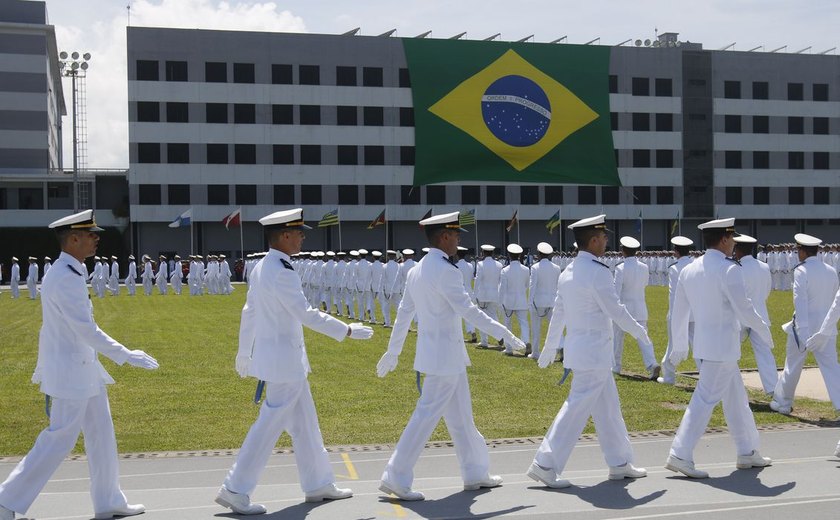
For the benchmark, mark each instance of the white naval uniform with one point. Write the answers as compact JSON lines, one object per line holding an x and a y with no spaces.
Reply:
{"x":114,"y":280}
{"x":468,"y":273}
{"x":434,"y":291}
{"x":542,"y":292}
{"x":175,"y":277}
{"x":338,"y":286}
{"x":32,"y":280}
{"x":757,"y":280}
{"x":377,"y":272}
{"x":669,"y":371}
{"x":814,"y":287}
{"x":586,"y":302}
{"x":711,"y":289}
{"x":390,"y":290}
{"x":224,"y":277}
{"x":271,"y":331}
{"x":160,"y":278}
{"x":148,"y":275}
{"x":631,"y":279}
{"x":69,"y":371}
{"x":131,"y":278}
{"x":363,"y":285}
{"x":487,"y":274}
{"x":15,"y":280}
{"x":513,"y":295}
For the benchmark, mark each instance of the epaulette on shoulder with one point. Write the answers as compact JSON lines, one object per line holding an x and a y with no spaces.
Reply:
{"x":286,"y":264}
{"x":600,"y":263}
{"x":619,"y":263}
{"x":672,"y":265}
{"x":450,"y":262}
{"x":799,"y":264}
{"x":733,"y":260}
{"x":74,"y":270}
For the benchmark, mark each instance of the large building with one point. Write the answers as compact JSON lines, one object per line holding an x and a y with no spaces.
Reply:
{"x":222,"y":119}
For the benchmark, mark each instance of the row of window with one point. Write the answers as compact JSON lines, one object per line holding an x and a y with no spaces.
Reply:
{"x":734,"y":159}
{"x":761,"y":195}
{"x":349,"y":194}
{"x":663,"y":87}
{"x":732,"y":124}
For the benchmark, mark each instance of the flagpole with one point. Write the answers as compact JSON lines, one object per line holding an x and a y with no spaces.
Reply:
{"x":241,"y":237}
{"x":338,"y":214}
{"x":476,"y":233}
{"x":386,"y":230}
{"x":517,"y":226}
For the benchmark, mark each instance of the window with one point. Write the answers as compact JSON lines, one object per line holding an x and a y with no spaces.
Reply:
{"x":554,"y":194}
{"x":243,"y":73}
{"x":404,"y":79}
{"x":245,"y":154}
{"x":150,"y":195}
{"x":796,"y":125}
{"x":375,"y":155}
{"x":244,"y":114}
{"x":147,"y":70}
{"x":821,"y":195}
{"x":177,"y":113}
{"x":406,"y":156}
{"x":470,"y":194}
{"x":586,"y":194}
{"x":345,"y":76}
{"x":215,"y":72}
{"x":281,"y":115}
{"x":529,"y":194}
{"x":641,"y":158}
{"x":732,"y":124}
{"x":310,"y":194}
{"x":760,"y":90}
{"x":310,"y":154}
{"x":148,"y":153}
{"x":664,"y":122}
{"x":348,"y":155}
{"x":406,"y":116}
{"x":217,"y":113}
{"x":613,"y":120}
{"x":613,"y":86}
{"x":820,"y":92}
{"x":246,"y":194}
{"x":148,"y":111}
{"x":372,"y":76}
{"x":348,"y":194}
{"x":796,"y":195}
{"x":178,"y":153}
{"x":309,"y":74}
{"x":283,"y":154}
{"x":435,"y":194}
{"x":410,"y":194}
{"x":732,"y":89}
{"x":217,"y":154}
{"x":281,"y":74}
{"x":641,"y":194}
{"x":641,"y":122}
{"x":733,"y":195}
{"x":179,"y":194}
{"x":375,"y":195}
{"x":821,"y":161}
{"x":218,"y":194}
{"x":796,"y":160}
{"x":641,"y":87}
{"x":732,"y":159}
{"x":373,"y":116}
{"x":284,"y":194}
{"x":664,"y":158}
{"x":495,"y":194}
{"x":609,"y":195}
{"x":663,"y":87}
{"x":821,"y":125}
{"x":761,"y":195}
{"x":346,"y":116}
{"x":310,"y":114}
{"x":176,"y":71}
{"x":761,"y":124}
{"x":761,"y":160}
{"x":795,"y":92}
{"x":664,"y":194}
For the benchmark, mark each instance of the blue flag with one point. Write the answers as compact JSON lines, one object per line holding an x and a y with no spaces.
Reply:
{"x":182,"y":220}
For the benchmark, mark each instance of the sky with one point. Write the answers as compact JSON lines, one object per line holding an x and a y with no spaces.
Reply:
{"x":98,"y":27}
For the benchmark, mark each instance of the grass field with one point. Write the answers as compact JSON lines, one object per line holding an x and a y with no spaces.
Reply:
{"x":196,"y":401}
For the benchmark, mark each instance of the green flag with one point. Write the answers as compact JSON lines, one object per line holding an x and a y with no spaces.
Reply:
{"x":516,"y":112}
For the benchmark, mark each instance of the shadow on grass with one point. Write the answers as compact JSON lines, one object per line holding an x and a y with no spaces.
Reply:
{"x":457,"y":505}
{"x":743,"y":482}
{"x":609,"y":494}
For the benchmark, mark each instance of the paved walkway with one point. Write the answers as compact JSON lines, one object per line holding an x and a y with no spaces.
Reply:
{"x":811,"y":384}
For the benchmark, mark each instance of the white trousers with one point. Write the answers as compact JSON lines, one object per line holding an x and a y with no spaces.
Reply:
{"x":176,"y":285}
{"x":147,"y":286}
{"x":719,"y":381}
{"x":524,"y":328}
{"x":348,"y":302}
{"x":669,"y":371}
{"x":33,"y":289}
{"x":385,"y":307}
{"x":594,"y":394}
{"x":648,"y":357}
{"x":161,"y":285}
{"x":366,"y":304}
{"x":826,"y":360}
{"x":68,"y":418}
{"x":491,"y":309}
{"x":287,"y":407}
{"x":467,"y":325}
{"x":131,"y":286}
{"x":764,"y":360}
{"x":447,"y":397}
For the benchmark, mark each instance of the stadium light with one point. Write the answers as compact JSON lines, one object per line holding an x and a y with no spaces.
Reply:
{"x":74,"y":66}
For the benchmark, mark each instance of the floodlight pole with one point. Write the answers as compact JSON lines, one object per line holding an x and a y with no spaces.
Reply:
{"x":75,"y":148}
{"x":71,"y":65}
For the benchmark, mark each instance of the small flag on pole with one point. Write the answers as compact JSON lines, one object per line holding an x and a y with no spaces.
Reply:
{"x":513,"y":221}
{"x":675,"y":224}
{"x":466,"y":218}
{"x":329,"y":219}
{"x":182,"y":220}
{"x":234,"y":219}
{"x":378,"y":221}
{"x":639,"y":224}
{"x":553,"y":222}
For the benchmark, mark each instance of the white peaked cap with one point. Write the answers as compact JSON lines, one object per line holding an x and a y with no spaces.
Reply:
{"x":287,"y":218}
{"x":682,"y":241}
{"x":596,"y":222}
{"x":82,"y":221}
{"x":330,"y":253}
{"x":488,"y":247}
{"x":545,"y":248}
{"x":727,"y":224}
{"x":377,"y":254}
{"x":514,"y":249}
{"x":408,"y":251}
{"x":745,"y":239}
{"x":447,"y":221}
{"x":806,"y":240}
{"x":462,"y":248}
{"x":363,"y":251}
{"x":425,"y":249}
{"x":630,"y":243}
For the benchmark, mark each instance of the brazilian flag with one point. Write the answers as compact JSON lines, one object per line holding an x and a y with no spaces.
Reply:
{"x":514,"y":112}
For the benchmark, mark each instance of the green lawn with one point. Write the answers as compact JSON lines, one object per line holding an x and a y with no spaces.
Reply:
{"x":196,"y":401}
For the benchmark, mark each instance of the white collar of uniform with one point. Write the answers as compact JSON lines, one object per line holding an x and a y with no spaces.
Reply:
{"x":437,"y":252}
{"x":631,"y":259}
{"x":812,"y":259}
{"x":70,"y":259}
{"x":587,"y":256}
{"x":279,"y":254}
{"x":715,"y":252}
{"x":747,"y":258}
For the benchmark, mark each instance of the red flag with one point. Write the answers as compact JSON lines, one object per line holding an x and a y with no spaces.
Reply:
{"x":378,"y":221}
{"x":512,"y":221}
{"x":234,"y":219}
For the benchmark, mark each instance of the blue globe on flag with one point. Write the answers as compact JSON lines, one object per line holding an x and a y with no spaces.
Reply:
{"x":516,"y":110}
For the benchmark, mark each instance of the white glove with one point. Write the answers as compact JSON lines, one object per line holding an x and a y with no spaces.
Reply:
{"x":547,"y":357}
{"x":243,"y":363}
{"x":386,"y":364}
{"x":514,"y":342}
{"x":816,"y":342}
{"x":138,"y":358}
{"x":360,"y":331}
{"x":678,"y":356}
